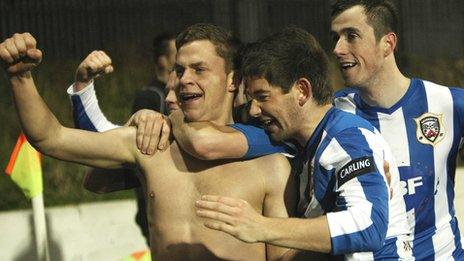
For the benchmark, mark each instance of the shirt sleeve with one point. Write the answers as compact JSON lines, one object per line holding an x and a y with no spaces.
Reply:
{"x":353,"y":160}
{"x":87,"y":114}
{"x":259,"y":143}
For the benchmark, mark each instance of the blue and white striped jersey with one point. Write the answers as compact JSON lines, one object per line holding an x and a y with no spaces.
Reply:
{"x":345,"y":156}
{"x":423,"y":130}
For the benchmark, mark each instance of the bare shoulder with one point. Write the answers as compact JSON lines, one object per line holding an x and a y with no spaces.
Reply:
{"x":274,"y":166}
{"x":273,"y":161}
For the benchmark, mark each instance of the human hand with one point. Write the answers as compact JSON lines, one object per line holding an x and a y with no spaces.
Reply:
{"x":97,"y":63}
{"x":19,"y":54}
{"x":153,"y":130}
{"x":233,"y":216}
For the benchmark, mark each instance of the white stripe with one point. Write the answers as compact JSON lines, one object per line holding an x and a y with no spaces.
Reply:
{"x":393,"y":129}
{"x":358,"y":215}
{"x":360,"y":256}
{"x":334,"y":153}
{"x":440,"y":101}
{"x":353,"y":219}
{"x":92,"y":109}
{"x":346,"y":103}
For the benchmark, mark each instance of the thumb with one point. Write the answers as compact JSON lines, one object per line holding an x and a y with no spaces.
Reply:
{"x":109,"y":69}
{"x":34,"y":55}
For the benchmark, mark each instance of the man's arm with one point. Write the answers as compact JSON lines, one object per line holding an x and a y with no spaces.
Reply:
{"x":112,"y":149}
{"x":238,"y":218}
{"x":207,"y":141}
{"x":86,"y":110}
{"x":357,"y":223}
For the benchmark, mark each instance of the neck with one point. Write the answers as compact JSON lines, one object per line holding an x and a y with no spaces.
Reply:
{"x":312,"y":116}
{"x":224,"y":116}
{"x":386,"y":88}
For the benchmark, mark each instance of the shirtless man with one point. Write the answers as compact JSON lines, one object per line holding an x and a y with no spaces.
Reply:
{"x":172,"y":179}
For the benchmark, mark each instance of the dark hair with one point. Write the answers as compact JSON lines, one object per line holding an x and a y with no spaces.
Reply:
{"x":225,"y":43}
{"x":161,"y":44}
{"x":284,"y":57}
{"x":382,"y":15}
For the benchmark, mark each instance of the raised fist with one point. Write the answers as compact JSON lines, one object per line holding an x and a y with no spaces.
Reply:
{"x":19,"y":54}
{"x":95,"y":64}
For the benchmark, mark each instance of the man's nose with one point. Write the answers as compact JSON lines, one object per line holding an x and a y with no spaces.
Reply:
{"x":255,"y":110}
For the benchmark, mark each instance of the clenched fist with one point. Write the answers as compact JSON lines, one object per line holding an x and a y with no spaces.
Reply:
{"x":95,"y":64}
{"x":19,"y":54}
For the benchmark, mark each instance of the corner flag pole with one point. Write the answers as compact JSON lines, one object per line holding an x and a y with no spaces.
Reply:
{"x":25,"y":170}
{"x":40,"y":228}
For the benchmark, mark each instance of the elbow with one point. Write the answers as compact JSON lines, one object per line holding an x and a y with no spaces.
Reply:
{"x":375,"y":235}
{"x":375,"y":241}
{"x":45,"y":144}
{"x":370,"y":239}
{"x":203,"y":150}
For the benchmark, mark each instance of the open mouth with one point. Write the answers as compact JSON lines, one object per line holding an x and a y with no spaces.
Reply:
{"x":187,"y":96}
{"x":347,"y":65}
{"x":269,"y":123}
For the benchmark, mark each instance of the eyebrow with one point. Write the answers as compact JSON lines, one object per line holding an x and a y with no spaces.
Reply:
{"x":350,"y":29}
{"x":258,"y":92}
{"x":198,"y":64}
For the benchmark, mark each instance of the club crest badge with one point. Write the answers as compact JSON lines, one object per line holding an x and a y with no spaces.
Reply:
{"x":430,"y":129}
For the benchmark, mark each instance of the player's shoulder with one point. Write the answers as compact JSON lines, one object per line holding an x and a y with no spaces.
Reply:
{"x":272,"y":162}
{"x":426,"y":84}
{"x":340,"y":122}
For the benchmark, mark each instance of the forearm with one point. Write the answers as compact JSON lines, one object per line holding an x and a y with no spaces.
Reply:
{"x":206,"y":141}
{"x":37,"y":121}
{"x":306,"y":234}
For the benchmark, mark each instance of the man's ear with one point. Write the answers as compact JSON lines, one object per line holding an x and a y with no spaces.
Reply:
{"x":232,"y":82}
{"x":303,"y":90}
{"x":162,"y":61}
{"x":389,"y":43}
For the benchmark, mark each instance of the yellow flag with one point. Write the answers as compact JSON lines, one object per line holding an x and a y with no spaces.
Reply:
{"x":25,"y":169}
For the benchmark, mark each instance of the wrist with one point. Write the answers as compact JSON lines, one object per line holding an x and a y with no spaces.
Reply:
{"x":79,"y":85}
{"x":266,"y":229}
{"x":20,"y":78}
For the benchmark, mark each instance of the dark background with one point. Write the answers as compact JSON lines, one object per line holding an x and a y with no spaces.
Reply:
{"x":72,"y":28}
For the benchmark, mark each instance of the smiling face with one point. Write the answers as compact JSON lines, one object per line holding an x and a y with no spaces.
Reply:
{"x":275,"y":109}
{"x":204,"y":86}
{"x":359,"y":53}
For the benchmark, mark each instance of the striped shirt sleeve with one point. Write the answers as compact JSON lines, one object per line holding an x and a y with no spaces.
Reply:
{"x":359,"y":219}
{"x":87,"y":114}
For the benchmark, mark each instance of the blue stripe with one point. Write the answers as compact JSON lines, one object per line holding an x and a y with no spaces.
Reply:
{"x":389,"y":251}
{"x":458,"y":253}
{"x":259,"y":143}
{"x":458,"y":113}
{"x":80,"y":117}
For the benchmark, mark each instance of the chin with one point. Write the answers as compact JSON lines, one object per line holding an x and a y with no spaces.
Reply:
{"x":192,"y":115}
{"x":277,"y":136}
